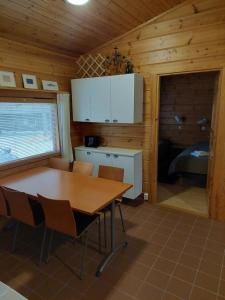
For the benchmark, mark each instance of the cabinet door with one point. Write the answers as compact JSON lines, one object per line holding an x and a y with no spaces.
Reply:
{"x":104,"y":159}
{"x":122,"y":98}
{"x":126,"y":163}
{"x":81,"y":100}
{"x":100,"y":99}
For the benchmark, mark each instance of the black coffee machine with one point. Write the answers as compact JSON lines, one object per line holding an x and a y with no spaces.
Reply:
{"x":91,"y":141}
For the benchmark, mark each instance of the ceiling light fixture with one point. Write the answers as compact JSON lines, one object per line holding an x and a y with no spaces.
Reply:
{"x":77,"y":2}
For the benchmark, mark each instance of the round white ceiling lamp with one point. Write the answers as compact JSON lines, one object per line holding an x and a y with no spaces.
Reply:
{"x":77,"y":2}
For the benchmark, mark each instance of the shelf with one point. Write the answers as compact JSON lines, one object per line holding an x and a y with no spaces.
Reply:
{"x":28,"y":93}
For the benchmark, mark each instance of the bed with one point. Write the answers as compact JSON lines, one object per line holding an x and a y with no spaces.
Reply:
{"x":193,"y":160}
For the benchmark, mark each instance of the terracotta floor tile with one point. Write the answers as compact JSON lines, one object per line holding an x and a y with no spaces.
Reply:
{"x":153,"y":248}
{"x":207,"y":282}
{"x":170,"y":254}
{"x":196,"y":240}
{"x":189,"y":261}
{"x":67,"y":294}
{"x":128,"y":284}
{"x":168,"y":296}
{"x":222,"y":288}
{"x":210,"y":268}
{"x":160,"y":239}
{"x":223,"y":273}
{"x":175,"y":244}
{"x":214,"y":246}
{"x":158,"y":279}
{"x":98,"y":291}
{"x":164,"y":265}
{"x":157,"y":238}
{"x":117,"y":295}
{"x":146,"y":258}
{"x":193,"y":250}
{"x":216,"y":258}
{"x":179,"y":288}
{"x":149,"y":292}
{"x":50,"y":288}
{"x":185,"y":273}
{"x":81,"y":286}
{"x":201,"y":294}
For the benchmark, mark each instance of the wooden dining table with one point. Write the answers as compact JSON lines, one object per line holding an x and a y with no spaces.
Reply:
{"x":86,"y":194}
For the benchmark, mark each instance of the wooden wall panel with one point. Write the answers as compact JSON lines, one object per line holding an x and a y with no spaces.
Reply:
{"x":21,"y":58}
{"x":189,"y":38}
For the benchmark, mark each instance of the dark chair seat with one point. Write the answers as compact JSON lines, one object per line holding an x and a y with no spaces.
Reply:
{"x":83,"y":221}
{"x":37,"y":211}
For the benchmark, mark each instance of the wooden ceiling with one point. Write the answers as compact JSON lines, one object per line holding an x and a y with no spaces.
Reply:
{"x":58,"y":26}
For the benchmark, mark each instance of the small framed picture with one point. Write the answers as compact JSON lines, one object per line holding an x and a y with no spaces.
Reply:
{"x":50,"y":85}
{"x":7,"y":79}
{"x":30,"y":81}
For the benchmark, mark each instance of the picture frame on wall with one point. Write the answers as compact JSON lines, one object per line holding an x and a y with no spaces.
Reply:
{"x":7,"y":79}
{"x":29,"y":81}
{"x":50,"y":85}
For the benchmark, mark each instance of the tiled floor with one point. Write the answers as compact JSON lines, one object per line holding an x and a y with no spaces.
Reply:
{"x":188,"y":198}
{"x":171,"y":255}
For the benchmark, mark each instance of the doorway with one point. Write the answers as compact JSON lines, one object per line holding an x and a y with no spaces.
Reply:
{"x":186,"y":109}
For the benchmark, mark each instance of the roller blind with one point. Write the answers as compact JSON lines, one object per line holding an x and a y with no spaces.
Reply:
{"x":27,"y":130}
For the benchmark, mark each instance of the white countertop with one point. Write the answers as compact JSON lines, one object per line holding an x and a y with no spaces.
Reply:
{"x":113,"y":150}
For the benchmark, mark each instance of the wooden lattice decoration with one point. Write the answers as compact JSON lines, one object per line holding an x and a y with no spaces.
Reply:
{"x":91,"y":66}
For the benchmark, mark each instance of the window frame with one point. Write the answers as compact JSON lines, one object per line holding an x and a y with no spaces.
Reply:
{"x":35,"y":158}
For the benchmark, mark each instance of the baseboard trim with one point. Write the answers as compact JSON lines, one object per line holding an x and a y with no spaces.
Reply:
{"x":134,"y":202}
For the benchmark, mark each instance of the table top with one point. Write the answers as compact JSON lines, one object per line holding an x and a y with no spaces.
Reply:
{"x":87,"y":194}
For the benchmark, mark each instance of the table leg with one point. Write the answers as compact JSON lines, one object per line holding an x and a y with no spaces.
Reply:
{"x":114,"y":248}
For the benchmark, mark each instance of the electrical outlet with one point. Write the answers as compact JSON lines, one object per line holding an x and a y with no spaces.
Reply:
{"x":146,"y":196}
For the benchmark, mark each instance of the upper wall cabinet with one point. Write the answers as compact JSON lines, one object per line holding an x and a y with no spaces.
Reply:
{"x":109,"y":99}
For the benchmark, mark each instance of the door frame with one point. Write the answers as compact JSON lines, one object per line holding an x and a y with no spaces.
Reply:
{"x":217,"y":106}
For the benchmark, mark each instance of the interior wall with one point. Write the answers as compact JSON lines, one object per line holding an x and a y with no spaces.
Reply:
{"x":189,"y":96}
{"x":191,"y":36}
{"x":46,"y":65}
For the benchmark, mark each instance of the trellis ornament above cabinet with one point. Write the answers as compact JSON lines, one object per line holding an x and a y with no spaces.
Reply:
{"x":108,"y":99}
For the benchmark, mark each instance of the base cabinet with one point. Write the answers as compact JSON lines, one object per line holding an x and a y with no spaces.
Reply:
{"x":129,"y":160}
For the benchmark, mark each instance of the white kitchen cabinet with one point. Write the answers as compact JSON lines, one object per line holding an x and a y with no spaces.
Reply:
{"x":100,"y":99}
{"x":81,"y":99}
{"x":127,"y":98}
{"x":128,"y":159}
{"x":108,"y":99}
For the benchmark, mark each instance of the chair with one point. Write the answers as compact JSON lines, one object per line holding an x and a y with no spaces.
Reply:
{"x":117,"y":174}
{"x":3,"y":205}
{"x":84,"y":168}
{"x":23,"y":211}
{"x":59,"y":163}
{"x":60,"y":217}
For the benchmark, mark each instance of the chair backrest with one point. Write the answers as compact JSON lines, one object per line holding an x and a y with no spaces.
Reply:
{"x":84,"y":168}
{"x":58,"y":215}
{"x":19,"y":206}
{"x":59,"y":163}
{"x":3,"y":205}
{"x":112,"y":173}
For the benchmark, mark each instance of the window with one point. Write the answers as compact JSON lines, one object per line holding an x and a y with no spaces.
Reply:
{"x":27,"y":129}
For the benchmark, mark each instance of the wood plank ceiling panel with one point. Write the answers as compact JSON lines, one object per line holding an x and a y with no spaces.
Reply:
{"x":56,"y":25}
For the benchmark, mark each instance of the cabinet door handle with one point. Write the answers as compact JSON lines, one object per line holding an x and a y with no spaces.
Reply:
{"x":115,"y":121}
{"x":116,"y":155}
{"x":87,"y":120}
{"x":107,"y":121}
{"x":88,"y":153}
{"x":107,"y":155}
